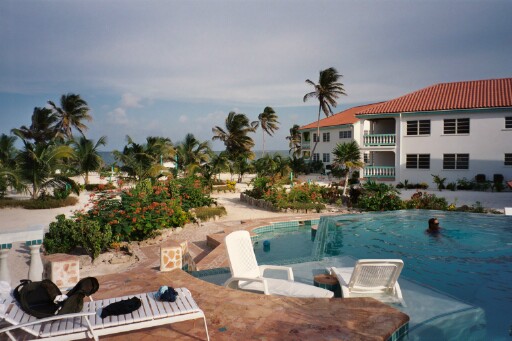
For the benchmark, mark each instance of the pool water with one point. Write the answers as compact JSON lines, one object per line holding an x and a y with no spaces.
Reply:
{"x":471,"y":259}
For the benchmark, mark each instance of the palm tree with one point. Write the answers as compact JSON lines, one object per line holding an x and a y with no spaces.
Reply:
{"x":87,"y":157}
{"x":295,"y":141}
{"x":327,"y":92}
{"x":192,"y":153}
{"x":346,"y":157}
{"x":42,"y":129}
{"x":72,"y":111}
{"x":38,"y":164}
{"x":144,"y":161}
{"x":268,"y":122}
{"x":8,"y":154}
{"x":235,"y":136}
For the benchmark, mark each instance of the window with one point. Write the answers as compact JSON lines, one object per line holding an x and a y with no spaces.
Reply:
{"x":421,"y":127}
{"x":366,"y":158}
{"x":508,"y":122}
{"x":316,"y":157}
{"x":346,"y":134}
{"x":456,"y":161}
{"x":418,"y":161}
{"x":315,"y":138}
{"x":508,"y":159}
{"x":456,"y":126}
{"x":306,"y":136}
{"x":326,"y":137}
{"x":326,"y":157}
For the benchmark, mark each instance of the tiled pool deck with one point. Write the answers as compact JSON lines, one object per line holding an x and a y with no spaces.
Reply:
{"x":237,"y":315}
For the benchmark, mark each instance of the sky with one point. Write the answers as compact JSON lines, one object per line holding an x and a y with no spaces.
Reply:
{"x":168,"y":68}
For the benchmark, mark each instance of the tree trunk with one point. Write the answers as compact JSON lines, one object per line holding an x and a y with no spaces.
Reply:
{"x":346,"y":183}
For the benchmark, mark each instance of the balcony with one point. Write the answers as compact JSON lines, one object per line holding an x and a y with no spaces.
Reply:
{"x":379,"y":172}
{"x":306,"y":145}
{"x":379,"y":140}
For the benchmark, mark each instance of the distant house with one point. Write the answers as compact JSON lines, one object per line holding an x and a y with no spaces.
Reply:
{"x":454,"y":130}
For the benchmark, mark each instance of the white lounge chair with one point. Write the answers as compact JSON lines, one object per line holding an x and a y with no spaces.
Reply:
{"x":247,"y":275}
{"x":377,"y":278}
{"x":508,"y":210}
{"x":89,"y":324}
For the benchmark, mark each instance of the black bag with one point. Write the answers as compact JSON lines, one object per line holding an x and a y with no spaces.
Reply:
{"x":121,"y":308}
{"x":37,"y":298}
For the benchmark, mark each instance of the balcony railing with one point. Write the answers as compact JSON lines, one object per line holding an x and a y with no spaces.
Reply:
{"x":379,"y":172}
{"x":306,"y":145}
{"x":379,"y":140}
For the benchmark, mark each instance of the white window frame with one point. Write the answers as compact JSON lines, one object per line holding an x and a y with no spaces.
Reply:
{"x":316,"y":156}
{"x":326,"y":157}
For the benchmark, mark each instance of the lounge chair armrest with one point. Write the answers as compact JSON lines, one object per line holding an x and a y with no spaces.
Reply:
{"x":277,"y":267}
{"x":230,"y":283}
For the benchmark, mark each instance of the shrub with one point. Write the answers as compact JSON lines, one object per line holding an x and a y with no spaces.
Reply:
{"x":423,"y":200}
{"x":439,"y":181}
{"x":99,"y":187}
{"x":37,"y":204}
{"x":206,"y":213}
{"x":452,"y":186}
{"x":479,"y":178}
{"x":60,"y":237}
{"x":464,"y":184}
{"x":379,"y":197}
{"x":65,"y":235}
{"x":61,"y":192}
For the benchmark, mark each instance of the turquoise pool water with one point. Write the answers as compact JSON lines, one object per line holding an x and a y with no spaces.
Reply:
{"x":470,"y":260}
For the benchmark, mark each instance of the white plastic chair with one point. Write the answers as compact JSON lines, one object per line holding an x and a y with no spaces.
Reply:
{"x":377,"y":278}
{"x":508,"y":210}
{"x":247,"y":275}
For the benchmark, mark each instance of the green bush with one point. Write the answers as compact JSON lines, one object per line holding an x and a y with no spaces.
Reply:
{"x":61,"y":236}
{"x":37,"y":204}
{"x":61,"y":192}
{"x":65,"y":235}
{"x":99,"y":187}
{"x":423,"y":200}
{"x":206,"y":213}
{"x":379,"y":197}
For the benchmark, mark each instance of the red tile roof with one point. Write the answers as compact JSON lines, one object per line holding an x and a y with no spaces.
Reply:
{"x":343,"y":117}
{"x":490,"y":93}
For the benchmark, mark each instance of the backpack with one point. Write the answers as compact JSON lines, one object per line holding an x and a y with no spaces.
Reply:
{"x":37,"y":298}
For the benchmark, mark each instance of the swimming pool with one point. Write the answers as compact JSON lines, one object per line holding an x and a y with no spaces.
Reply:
{"x":471,"y":259}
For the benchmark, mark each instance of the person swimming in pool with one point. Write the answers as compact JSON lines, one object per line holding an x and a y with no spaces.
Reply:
{"x":433,"y":226}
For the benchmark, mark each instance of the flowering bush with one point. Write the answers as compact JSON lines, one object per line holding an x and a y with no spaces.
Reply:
{"x":137,"y":213}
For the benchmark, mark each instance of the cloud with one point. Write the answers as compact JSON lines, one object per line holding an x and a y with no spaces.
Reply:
{"x":118,"y":117}
{"x":129,"y":100}
{"x":183,"y":119}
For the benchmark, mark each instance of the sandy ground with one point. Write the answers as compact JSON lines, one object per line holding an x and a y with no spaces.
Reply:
{"x":17,"y":219}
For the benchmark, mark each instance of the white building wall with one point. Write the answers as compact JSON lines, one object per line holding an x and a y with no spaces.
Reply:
{"x":327,"y":147}
{"x":486,"y":144}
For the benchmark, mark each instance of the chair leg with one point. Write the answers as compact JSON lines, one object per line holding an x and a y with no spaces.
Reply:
{"x":206,"y":328}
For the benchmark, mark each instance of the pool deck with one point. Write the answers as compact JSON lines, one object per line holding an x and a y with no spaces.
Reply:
{"x":238,"y":315}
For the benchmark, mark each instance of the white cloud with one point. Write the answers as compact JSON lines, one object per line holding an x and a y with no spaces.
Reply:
{"x":129,"y":100}
{"x":118,"y":117}
{"x":183,"y":119}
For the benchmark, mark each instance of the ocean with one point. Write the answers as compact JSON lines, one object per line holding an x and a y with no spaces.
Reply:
{"x":108,"y":157}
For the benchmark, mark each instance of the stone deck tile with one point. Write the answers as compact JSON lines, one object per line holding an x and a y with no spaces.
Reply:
{"x":238,"y":315}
